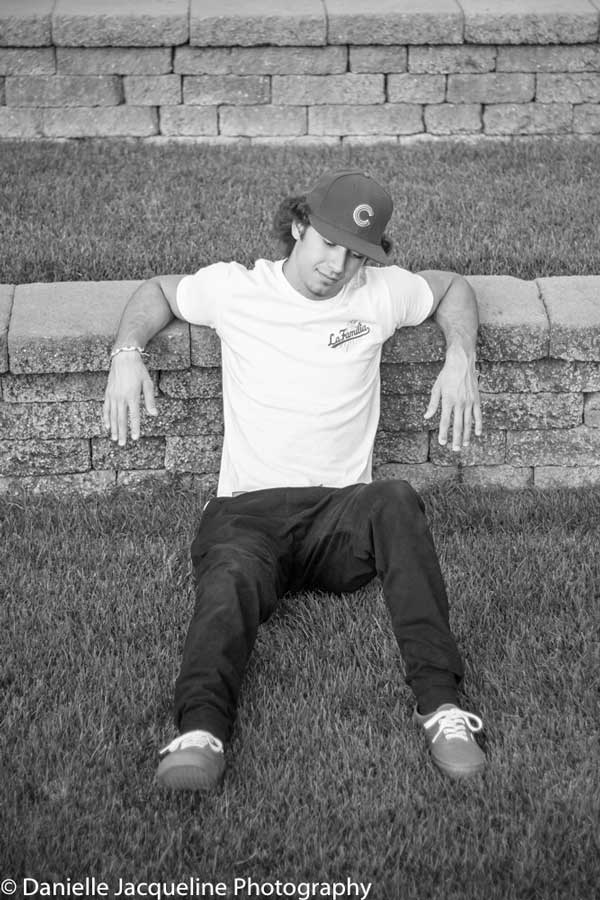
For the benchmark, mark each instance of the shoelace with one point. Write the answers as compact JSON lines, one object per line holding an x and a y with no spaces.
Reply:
{"x":454,"y":723}
{"x":193,"y":739}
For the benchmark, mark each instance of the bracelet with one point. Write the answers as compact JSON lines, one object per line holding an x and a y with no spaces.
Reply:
{"x":140,"y":350}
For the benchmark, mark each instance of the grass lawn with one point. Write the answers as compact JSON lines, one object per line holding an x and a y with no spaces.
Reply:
{"x":112,"y":209}
{"x":327,"y":777}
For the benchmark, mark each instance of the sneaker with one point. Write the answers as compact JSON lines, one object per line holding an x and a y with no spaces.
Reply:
{"x":194,"y":761}
{"x":449,"y":732}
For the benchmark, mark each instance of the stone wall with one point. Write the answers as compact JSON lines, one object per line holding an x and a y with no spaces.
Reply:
{"x":318,"y":70}
{"x":539,"y":356}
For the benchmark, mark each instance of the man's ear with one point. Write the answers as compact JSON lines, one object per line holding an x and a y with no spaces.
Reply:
{"x":297,"y":230}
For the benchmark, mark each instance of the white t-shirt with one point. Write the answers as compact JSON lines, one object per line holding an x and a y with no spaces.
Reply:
{"x":300,"y":376}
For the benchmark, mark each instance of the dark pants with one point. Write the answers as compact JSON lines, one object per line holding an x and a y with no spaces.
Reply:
{"x":251,"y":549}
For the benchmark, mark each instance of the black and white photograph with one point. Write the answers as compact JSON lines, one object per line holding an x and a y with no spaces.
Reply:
{"x":300,"y":449}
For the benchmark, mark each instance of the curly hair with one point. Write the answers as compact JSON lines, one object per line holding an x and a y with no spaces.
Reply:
{"x":296,"y":209}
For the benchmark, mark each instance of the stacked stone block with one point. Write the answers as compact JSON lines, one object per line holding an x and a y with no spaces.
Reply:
{"x":323,"y":70}
{"x":538,"y":356}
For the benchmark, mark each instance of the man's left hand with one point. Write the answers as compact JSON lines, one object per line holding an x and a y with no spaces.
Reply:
{"x":457,"y":391}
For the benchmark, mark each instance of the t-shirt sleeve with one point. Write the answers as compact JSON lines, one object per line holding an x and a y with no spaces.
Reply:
{"x":200,"y":296}
{"x":406,"y":297}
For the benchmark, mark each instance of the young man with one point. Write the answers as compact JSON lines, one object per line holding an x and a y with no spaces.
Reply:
{"x":296,"y":506}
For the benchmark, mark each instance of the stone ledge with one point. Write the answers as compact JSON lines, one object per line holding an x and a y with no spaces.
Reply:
{"x":519,"y":321}
{"x":513,"y":322}
{"x":394,"y":22}
{"x":120,"y":23}
{"x":539,"y":357}
{"x":573,"y":307}
{"x":79,"y":334}
{"x":262,"y":72}
{"x":26,"y":25}
{"x":228,"y":23}
{"x":530,"y":21}
{"x":6,"y":301}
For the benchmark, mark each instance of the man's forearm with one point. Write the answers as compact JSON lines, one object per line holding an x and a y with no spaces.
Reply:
{"x":146,"y":313}
{"x":456,"y":388}
{"x":458,"y":317}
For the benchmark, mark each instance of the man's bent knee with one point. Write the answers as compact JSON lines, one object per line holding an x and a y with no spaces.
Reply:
{"x":395,"y":494}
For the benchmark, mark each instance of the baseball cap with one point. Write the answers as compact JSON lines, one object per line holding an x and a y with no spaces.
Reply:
{"x":349,"y":208}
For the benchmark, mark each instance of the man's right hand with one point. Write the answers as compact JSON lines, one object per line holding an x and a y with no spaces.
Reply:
{"x":127,"y":380}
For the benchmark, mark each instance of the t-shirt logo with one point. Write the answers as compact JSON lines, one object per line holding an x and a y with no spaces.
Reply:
{"x":363,"y":214}
{"x":350,"y":332}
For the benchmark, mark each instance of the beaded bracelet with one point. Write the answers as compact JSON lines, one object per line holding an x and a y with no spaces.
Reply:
{"x":140,"y":350}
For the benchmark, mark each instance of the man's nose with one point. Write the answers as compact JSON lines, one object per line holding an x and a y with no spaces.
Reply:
{"x":337,"y":258}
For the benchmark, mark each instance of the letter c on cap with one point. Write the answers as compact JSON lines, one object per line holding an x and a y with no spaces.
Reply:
{"x":362,"y":215}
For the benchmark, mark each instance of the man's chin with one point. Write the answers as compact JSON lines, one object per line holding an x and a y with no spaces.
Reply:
{"x":327,"y":288}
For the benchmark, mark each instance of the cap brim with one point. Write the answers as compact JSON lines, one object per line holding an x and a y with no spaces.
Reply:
{"x":349,"y":240}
